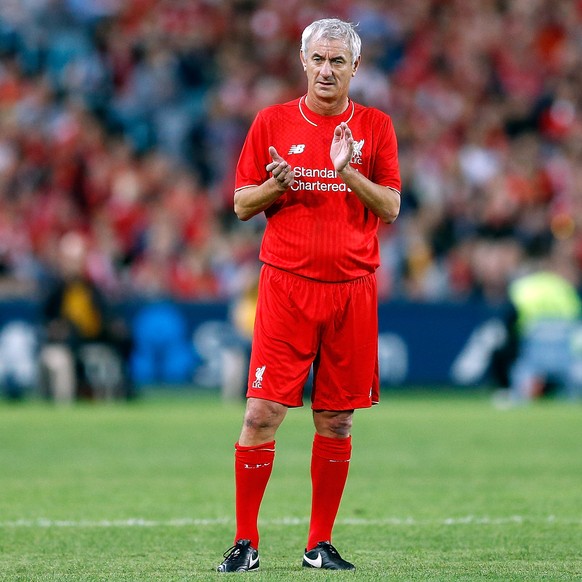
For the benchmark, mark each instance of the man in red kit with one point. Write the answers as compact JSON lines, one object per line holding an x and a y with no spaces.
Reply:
{"x":324,"y":170}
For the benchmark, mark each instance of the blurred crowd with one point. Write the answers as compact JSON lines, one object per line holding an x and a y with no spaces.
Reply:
{"x":122,"y":121}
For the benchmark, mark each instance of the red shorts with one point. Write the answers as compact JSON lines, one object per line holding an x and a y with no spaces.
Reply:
{"x":333,"y":326}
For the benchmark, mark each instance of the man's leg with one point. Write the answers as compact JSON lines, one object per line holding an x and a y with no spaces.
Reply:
{"x":330,"y":461}
{"x":253,"y":466}
{"x":59,"y":363}
{"x":254,"y":456}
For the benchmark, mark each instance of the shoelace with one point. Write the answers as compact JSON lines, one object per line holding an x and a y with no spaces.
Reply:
{"x":331,"y":549}
{"x":232,"y":552}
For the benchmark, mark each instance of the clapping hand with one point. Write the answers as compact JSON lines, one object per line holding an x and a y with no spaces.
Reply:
{"x":342,"y":147}
{"x":281,"y":170}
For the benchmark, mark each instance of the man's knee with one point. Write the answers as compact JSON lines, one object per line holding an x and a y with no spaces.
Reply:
{"x":334,"y":424}
{"x":263,"y":414}
{"x":261,"y":421}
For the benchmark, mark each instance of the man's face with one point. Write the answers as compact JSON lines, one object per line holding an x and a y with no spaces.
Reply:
{"x":329,"y":69}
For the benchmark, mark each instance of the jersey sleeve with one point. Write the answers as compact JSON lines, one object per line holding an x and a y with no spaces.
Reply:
{"x":254,"y":156}
{"x":386,"y":170}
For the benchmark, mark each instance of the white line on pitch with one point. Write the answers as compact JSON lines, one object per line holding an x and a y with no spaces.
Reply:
{"x":194,"y":522}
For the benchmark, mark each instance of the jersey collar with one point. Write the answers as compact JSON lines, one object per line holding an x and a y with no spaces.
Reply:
{"x":312,"y":117}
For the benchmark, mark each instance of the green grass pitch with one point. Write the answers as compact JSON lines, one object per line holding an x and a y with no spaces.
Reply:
{"x":442,"y":487}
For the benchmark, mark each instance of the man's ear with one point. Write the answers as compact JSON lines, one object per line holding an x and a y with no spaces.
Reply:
{"x":303,"y":61}
{"x":356,"y":65}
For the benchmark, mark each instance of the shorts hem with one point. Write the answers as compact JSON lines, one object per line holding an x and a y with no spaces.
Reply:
{"x":357,"y":406}
{"x":277,"y":401}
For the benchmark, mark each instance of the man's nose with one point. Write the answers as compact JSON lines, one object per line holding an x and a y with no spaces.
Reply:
{"x":326,"y":69}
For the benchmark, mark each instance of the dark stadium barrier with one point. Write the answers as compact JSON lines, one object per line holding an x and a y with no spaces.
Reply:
{"x":419,"y":344}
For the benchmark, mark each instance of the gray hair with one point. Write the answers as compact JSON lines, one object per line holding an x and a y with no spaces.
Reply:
{"x":333,"y":29}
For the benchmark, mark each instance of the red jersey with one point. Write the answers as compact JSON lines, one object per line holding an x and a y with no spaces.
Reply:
{"x":319,"y":228}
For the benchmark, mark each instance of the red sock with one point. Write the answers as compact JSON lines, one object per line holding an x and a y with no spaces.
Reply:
{"x":252,"y":469}
{"x":330,"y":462}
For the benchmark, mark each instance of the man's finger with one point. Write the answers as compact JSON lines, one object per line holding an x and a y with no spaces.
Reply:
{"x":274,"y":154}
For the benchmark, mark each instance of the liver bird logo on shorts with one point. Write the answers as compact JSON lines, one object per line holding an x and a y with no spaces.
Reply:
{"x":258,"y":383}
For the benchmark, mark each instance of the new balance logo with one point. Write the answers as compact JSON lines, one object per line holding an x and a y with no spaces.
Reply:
{"x":296,"y":149}
{"x":258,"y":383}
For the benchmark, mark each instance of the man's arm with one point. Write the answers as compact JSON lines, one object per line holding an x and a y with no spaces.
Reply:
{"x":383,"y":201}
{"x":252,"y":200}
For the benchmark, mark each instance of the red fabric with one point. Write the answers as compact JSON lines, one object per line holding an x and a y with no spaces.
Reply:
{"x":253,"y":466}
{"x":318,"y":228}
{"x":332,"y":325}
{"x":330,"y":463}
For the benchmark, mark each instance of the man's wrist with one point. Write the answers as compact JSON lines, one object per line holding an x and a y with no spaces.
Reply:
{"x":279,"y":186}
{"x":345,"y":171}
